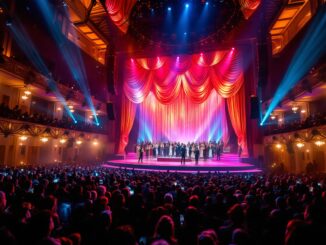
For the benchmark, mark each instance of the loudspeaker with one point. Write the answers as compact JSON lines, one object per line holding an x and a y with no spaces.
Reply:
{"x":110,"y":73}
{"x":110,"y":111}
{"x":254,"y":107}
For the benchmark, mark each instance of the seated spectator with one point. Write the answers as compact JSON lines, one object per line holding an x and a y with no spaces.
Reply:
{"x":164,"y":229}
{"x":207,"y":237}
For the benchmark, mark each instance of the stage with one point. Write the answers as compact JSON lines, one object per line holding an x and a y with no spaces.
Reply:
{"x":228,"y":163}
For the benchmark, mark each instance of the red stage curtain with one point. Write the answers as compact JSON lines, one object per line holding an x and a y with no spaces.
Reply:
{"x":194,"y":75}
{"x":248,"y":7}
{"x":237,"y":112}
{"x":183,"y":120}
{"x":128,"y":113}
{"x":119,"y":11}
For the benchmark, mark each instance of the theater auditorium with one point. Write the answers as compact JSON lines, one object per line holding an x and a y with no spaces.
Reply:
{"x":162,"y":122}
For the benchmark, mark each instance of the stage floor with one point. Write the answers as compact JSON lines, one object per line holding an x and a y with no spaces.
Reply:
{"x":228,"y":163}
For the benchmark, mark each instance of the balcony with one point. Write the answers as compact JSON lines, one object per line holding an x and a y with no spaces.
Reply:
{"x":14,"y":121}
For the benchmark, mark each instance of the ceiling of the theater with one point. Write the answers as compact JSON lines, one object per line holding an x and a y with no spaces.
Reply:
{"x":164,"y":23}
{"x":183,"y":22}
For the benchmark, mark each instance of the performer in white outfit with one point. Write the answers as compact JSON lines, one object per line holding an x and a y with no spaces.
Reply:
{"x":170,"y":149}
{"x":201,"y":150}
{"x":210,"y":152}
{"x":156,"y":149}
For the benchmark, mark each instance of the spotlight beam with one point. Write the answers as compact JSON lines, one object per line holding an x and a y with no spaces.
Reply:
{"x":311,"y":49}
{"x":69,"y":51}
{"x":27,"y":46}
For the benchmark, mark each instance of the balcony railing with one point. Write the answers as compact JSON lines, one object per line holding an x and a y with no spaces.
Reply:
{"x":310,"y":122}
{"x":9,"y":126}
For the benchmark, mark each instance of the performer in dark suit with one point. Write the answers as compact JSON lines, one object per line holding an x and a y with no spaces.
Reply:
{"x":205,"y":152}
{"x":196,"y":155}
{"x":141,"y":151}
{"x":218,"y":152}
{"x":159,"y":148}
{"x":190,"y":150}
{"x":183,"y":154}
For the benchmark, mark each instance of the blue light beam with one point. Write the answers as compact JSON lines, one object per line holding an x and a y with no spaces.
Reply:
{"x":311,"y":49}
{"x":24,"y":41}
{"x":69,"y":51}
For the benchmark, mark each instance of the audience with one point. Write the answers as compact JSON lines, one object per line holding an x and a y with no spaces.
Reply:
{"x":96,"y":205}
{"x":17,"y":114}
{"x":311,"y":121}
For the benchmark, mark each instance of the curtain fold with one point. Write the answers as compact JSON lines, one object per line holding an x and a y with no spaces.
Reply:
{"x":183,"y":120}
{"x":248,"y":7}
{"x":194,"y":76}
{"x":119,"y":12}
{"x":128,"y":113}
{"x":237,"y":111}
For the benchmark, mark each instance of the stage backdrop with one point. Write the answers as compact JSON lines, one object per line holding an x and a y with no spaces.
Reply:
{"x":182,"y":120}
{"x":182,"y":97}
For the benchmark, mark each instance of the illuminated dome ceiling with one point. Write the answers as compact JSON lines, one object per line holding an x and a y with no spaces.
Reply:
{"x":175,"y":22}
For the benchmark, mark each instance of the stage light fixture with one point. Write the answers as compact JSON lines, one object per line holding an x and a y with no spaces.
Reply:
{"x":59,"y":109}
{"x":273,"y":117}
{"x":79,"y":142}
{"x":95,"y":142}
{"x":27,"y":92}
{"x":169,"y":8}
{"x":303,"y":111}
{"x":187,"y":5}
{"x":207,"y":3}
{"x":278,"y":146}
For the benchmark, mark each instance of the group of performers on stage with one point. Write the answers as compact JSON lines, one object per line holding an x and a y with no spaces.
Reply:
{"x":193,"y":150}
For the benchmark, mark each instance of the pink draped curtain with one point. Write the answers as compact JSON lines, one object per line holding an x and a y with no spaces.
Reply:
{"x":128,"y":112}
{"x":183,"y":120}
{"x":119,"y":11}
{"x":194,"y":75}
{"x":248,"y":7}
{"x":237,"y":112}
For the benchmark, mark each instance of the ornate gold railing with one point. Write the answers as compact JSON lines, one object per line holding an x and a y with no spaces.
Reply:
{"x":14,"y":127}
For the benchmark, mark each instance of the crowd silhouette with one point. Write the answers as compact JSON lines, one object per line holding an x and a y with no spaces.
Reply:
{"x":94,"y":205}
